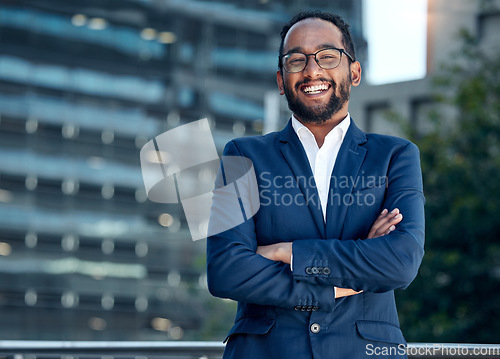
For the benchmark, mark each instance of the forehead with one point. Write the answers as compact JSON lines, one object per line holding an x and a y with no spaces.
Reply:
{"x":312,"y":34}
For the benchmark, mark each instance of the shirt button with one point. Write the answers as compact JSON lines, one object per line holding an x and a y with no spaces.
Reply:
{"x":315,"y":328}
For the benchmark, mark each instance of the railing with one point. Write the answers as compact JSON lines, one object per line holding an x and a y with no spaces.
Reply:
{"x":20,"y":349}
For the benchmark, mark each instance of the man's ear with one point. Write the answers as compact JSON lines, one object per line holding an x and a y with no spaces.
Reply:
{"x":279,"y":80}
{"x":355,"y":73}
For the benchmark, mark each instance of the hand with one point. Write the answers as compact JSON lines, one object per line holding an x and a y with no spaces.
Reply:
{"x":277,"y":252}
{"x":345,"y":292}
{"x":385,"y":223}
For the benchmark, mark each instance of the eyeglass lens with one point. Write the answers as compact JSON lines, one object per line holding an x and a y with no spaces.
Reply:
{"x":326,"y":59}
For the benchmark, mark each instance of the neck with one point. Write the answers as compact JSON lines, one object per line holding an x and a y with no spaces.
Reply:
{"x":321,"y":130}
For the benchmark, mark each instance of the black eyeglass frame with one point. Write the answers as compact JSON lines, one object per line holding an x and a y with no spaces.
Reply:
{"x":342,"y":51}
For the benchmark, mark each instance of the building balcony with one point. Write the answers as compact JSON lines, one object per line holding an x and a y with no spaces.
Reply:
{"x":19,"y":349}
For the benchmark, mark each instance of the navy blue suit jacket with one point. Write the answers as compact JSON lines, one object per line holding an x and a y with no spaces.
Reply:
{"x":293,"y":314}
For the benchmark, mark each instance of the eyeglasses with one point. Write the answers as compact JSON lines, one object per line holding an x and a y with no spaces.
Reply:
{"x":327,"y":59}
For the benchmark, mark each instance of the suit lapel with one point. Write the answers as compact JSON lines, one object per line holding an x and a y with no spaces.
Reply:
{"x":296,"y":157}
{"x":344,"y":176}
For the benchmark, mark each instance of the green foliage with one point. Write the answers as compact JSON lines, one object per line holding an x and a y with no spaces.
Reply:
{"x":219,"y":319}
{"x":456,"y":296}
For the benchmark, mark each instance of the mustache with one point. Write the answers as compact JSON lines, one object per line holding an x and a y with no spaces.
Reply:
{"x":306,"y":81}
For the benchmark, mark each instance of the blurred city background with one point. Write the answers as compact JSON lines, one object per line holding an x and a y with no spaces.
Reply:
{"x":84,"y":84}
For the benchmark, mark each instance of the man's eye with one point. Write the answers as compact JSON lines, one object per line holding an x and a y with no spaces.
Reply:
{"x":296,"y":61}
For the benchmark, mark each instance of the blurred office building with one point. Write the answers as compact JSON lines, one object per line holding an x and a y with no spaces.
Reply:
{"x":84,"y":84}
{"x":414,"y":101}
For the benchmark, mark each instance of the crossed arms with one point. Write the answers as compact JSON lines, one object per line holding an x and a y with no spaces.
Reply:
{"x":282,"y":252}
{"x":238,"y":269}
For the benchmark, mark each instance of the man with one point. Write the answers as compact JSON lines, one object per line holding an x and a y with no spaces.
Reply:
{"x":315,"y":269}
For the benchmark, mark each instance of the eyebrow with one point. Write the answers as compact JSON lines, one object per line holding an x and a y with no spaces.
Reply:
{"x":318,"y":48}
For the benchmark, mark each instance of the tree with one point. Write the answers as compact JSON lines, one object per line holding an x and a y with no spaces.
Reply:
{"x":456,"y":296}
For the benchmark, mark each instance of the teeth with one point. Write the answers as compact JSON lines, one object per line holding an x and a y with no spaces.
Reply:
{"x":315,"y":89}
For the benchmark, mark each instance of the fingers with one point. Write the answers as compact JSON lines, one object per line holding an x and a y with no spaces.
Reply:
{"x":345,"y":292}
{"x":385,"y":223}
{"x":389,"y":222}
{"x":381,"y":215}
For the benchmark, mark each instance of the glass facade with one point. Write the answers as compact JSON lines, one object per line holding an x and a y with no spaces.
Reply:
{"x":83,"y":86}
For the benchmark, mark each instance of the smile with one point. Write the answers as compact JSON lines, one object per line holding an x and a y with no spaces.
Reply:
{"x":315,"y":89}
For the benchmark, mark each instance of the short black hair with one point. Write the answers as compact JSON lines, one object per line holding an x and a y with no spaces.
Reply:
{"x":323,"y":15}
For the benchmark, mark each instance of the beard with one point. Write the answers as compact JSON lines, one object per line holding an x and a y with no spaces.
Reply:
{"x":321,"y":113}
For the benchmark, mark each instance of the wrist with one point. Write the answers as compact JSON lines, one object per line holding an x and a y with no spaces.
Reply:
{"x":285,"y":252}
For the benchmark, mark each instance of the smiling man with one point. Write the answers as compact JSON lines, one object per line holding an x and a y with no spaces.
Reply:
{"x":316,"y":94}
{"x":315,"y":269}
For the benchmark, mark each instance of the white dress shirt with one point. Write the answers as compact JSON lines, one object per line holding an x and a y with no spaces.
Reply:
{"x":322,"y":160}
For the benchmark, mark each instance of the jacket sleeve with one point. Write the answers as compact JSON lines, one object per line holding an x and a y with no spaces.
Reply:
{"x":235,"y":271}
{"x":378,"y":264}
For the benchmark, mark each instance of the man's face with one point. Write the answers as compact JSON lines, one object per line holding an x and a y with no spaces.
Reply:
{"x":332,"y":96}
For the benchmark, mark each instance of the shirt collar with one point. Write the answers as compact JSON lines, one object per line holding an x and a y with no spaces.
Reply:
{"x":303,"y":132}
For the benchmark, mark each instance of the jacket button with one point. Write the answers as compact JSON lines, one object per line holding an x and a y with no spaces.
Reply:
{"x":315,"y":308}
{"x":320,"y":270}
{"x":308,"y":270}
{"x":326,"y":271}
{"x":298,"y":307}
{"x":315,"y":328}
{"x":314,"y":270}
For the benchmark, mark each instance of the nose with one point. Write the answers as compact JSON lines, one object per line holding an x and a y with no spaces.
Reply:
{"x":312,"y":68}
